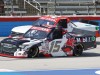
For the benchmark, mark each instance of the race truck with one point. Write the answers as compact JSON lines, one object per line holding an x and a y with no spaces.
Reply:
{"x":48,"y":42}
{"x":83,"y":26}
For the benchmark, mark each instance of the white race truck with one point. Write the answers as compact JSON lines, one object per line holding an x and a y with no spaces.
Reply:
{"x":44,"y":38}
{"x":47,"y":41}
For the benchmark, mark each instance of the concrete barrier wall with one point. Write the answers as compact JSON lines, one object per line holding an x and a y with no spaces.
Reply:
{"x":8,"y":22}
{"x":5,"y":27}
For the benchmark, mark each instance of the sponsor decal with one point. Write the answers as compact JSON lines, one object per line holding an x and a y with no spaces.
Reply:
{"x":97,"y":28}
{"x":8,"y":45}
{"x":40,"y":28}
{"x":85,"y":39}
{"x":47,"y":18}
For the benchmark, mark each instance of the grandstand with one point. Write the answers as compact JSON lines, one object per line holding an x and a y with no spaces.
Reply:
{"x":1,"y":7}
{"x":58,"y":7}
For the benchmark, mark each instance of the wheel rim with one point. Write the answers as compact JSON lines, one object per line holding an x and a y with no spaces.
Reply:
{"x":33,"y":53}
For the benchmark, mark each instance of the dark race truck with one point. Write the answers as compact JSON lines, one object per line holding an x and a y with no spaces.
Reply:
{"x":47,"y":41}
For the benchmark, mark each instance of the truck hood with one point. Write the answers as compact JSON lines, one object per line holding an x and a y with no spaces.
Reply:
{"x":21,"y":29}
{"x":14,"y":41}
{"x":18,"y":42}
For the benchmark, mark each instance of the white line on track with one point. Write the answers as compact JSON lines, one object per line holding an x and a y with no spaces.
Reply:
{"x":6,"y":70}
{"x":98,"y":72}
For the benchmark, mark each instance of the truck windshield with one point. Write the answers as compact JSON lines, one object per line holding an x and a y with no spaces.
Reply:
{"x":43,"y":22}
{"x":36,"y":34}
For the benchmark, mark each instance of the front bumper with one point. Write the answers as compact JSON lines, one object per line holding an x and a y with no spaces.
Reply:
{"x":12,"y":53}
{"x":9,"y":48}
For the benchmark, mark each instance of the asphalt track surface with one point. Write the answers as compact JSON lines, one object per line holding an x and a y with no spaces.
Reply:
{"x":89,"y":60}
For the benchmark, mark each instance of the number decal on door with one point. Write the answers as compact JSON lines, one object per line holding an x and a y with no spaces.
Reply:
{"x":55,"y":46}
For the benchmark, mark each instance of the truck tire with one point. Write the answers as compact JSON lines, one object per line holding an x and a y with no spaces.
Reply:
{"x":78,"y":50}
{"x":95,"y":46}
{"x":33,"y":52}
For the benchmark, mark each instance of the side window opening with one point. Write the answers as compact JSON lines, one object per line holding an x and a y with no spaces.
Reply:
{"x":57,"y":34}
{"x":63,"y":23}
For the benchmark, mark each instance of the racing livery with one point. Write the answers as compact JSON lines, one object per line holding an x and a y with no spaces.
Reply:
{"x":47,"y":41}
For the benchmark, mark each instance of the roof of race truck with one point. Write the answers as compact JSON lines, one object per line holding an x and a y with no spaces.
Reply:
{"x":54,"y":18}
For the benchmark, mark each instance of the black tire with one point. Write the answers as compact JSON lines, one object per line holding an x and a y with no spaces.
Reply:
{"x":78,"y":50}
{"x":33,"y":52}
{"x":95,"y":46}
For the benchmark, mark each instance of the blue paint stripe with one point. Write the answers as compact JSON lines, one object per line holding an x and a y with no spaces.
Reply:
{"x":62,"y":72}
{"x":5,"y":27}
{"x":54,"y":72}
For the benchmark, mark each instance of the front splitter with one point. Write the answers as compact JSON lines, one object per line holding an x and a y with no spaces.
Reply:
{"x":10,"y":56}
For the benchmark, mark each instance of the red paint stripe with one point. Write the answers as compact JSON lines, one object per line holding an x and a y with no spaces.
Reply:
{"x":35,"y":18}
{"x":6,"y":19}
{"x":6,"y":55}
{"x":47,"y":55}
{"x":85,"y":17}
